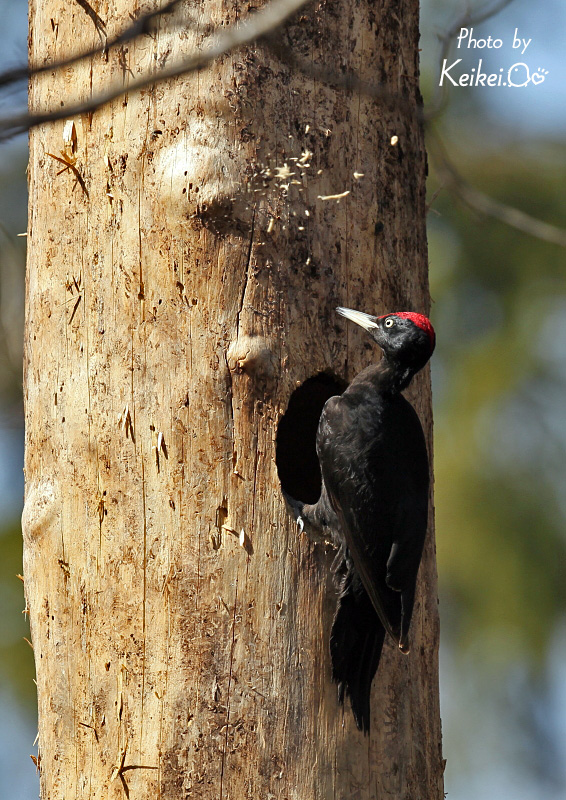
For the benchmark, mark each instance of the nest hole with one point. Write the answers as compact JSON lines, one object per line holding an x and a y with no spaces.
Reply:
{"x":295,"y":451}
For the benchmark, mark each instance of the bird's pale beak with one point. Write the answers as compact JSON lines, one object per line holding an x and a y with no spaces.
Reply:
{"x":366,"y":321}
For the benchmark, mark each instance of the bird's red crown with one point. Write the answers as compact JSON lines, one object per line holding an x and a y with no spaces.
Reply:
{"x":420,"y":321}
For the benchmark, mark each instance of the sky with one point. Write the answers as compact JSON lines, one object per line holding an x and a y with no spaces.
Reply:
{"x":527,"y":111}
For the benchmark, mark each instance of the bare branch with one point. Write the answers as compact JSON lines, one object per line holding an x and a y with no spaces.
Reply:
{"x":254,"y":27}
{"x":488,"y":206}
{"x":218,"y":44}
{"x":140,"y":27}
{"x":473,"y":198}
{"x":263,"y":24}
{"x":465,"y":20}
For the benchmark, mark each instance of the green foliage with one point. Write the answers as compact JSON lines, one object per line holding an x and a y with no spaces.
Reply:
{"x":16,"y":658}
{"x":499,"y":295}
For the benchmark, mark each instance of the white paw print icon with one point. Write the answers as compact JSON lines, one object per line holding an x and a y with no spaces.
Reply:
{"x":538,"y":76}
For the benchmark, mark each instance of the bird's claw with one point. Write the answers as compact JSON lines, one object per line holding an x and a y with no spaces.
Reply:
{"x":300,"y":524}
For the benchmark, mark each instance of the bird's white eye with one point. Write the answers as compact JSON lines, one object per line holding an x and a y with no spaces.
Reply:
{"x":389,"y":322}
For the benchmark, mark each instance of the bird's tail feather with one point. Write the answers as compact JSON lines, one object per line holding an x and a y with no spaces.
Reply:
{"x":356,"y":642}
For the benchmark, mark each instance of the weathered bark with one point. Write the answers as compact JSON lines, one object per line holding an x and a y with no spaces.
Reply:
{"x":174,"y":302}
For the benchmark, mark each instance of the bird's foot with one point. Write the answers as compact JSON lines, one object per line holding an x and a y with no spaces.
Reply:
{"x":313,"y":534}
{"x":404,"y":646}
{"x":303,"y":517}
{"x":304,"y":526}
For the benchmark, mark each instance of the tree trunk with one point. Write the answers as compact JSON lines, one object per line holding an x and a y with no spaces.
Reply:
{"x":177,"y":294}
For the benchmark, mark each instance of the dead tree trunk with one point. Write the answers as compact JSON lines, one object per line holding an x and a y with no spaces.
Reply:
{"x":182,"y":279}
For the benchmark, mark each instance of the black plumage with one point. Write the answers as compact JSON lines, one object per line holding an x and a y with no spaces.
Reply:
{"x":374,"y":502}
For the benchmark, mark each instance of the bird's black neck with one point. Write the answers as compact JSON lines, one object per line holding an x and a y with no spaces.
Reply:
{"x":388,"y":377}
{"x":393,"y":376}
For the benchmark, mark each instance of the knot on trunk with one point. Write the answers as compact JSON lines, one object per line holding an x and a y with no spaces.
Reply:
{"x":41,"y":509}
{"x":253,"y":355}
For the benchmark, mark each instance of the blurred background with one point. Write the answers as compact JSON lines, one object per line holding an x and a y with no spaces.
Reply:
{"x":499,"y":381}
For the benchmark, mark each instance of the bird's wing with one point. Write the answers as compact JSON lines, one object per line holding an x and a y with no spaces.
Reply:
{"x":410,"y":530}
{"x":377,"y":483}
{"x":370,"y":565}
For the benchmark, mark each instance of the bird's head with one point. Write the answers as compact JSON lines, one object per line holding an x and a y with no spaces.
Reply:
{"x":405,"y":337}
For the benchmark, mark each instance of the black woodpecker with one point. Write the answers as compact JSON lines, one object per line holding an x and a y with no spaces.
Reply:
{"x":373,"y":502}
